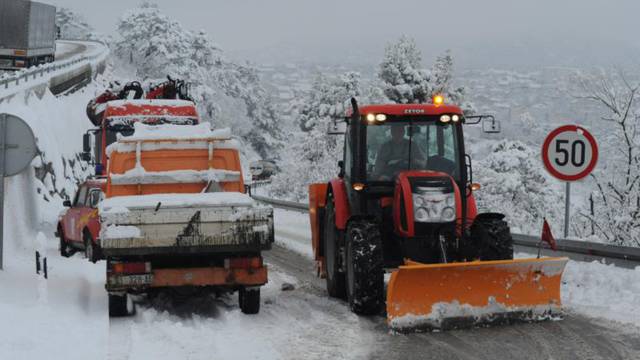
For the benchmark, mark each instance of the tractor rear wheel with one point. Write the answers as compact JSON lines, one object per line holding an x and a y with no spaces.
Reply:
{"x":365,"y":273}
{"x":335,"y":279}
{"x":492,"y":238}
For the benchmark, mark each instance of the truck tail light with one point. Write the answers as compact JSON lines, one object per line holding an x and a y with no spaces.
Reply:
{"x":131,"y":268}
{"x":243,"y":263}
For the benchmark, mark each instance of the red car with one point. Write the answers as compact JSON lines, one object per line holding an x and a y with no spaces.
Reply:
{"x":79,"y":226}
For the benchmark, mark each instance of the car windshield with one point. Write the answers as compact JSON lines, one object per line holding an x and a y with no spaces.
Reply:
{"x":393,"y":147}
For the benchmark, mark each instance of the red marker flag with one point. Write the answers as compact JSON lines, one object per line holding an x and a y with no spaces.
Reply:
{"x":547,"y":236}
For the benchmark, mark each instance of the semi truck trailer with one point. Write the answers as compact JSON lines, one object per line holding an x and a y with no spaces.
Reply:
{"x":27,"y":34}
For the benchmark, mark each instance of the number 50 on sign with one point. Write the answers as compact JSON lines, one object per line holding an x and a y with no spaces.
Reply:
{"x":570,"y":153}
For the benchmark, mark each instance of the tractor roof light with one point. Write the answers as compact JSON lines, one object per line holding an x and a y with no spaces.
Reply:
{"x":455,"y":117}
{"x":371,"y":118}
{"x":358,"y":186}
{"x":445,"y":118}
{"x":438,"y":100}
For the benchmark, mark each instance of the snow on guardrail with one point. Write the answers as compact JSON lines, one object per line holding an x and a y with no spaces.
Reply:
{"x":623,"y":256}
{"x":12,"y":83}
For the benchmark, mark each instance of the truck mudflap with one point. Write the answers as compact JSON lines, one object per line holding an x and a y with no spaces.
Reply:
{"x":201,"y":276}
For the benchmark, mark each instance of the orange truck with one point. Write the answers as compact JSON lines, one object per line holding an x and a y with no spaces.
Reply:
{"x":175,"y":215}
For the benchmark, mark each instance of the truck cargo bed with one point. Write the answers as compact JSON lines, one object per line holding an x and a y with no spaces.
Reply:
{"x":199,"y":224}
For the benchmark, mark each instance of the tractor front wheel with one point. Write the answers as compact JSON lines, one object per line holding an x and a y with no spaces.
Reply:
{"x":492,"y":238}
{"x":364,"y":265}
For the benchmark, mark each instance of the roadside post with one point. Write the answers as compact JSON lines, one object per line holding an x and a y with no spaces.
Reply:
{"x":569,"y":153}
{"x":17,"y":149}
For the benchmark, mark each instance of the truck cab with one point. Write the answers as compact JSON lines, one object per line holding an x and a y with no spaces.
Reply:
{"x":117,"y":117}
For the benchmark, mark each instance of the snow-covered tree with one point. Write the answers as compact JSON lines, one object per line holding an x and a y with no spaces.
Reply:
{"x":72,"y":25}
{"x":159,"y":46}
{"x":442,"y":82}
{"x":403,"y":79}
{"x":327,"y":99}
{"x":616,"y":215}
{"x":313,"y":155}
{"x":514,"y":183}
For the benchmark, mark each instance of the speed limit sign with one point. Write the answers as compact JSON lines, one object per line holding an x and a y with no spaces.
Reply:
{"x":570,"y":153}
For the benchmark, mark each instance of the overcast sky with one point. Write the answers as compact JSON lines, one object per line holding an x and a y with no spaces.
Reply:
{"x":480,"y":32}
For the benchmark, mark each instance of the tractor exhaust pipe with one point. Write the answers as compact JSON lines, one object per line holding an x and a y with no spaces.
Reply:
{"x":354,"y":106}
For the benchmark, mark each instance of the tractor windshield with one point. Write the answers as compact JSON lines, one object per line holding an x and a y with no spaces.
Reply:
{"x":393,"y":147}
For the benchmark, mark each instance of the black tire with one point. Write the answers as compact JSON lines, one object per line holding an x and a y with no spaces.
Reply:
{"x":249,"y":300}
{"x":365,"y":273}
{"x":65,"y":249}
{"x":90,"y":251}
{"x":331,"y":246}
{"x":492,"y":238}
{"x":121,"y":305}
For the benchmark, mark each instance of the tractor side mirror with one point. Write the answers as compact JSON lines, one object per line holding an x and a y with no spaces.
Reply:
{"x":66,"y":203}
{"x":341,"y":166}
{"x":490,"y":125}
{"x":337,"y":127}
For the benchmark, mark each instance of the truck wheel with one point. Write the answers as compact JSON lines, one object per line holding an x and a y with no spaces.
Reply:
{"x":89,"y":248}
{"x":492,"y":238}
{"x":365,"y":273}
{"x":335,"y":279}
{"x":249,"y":300}
{"x":121,"y":305}
{"x":65,"y":249}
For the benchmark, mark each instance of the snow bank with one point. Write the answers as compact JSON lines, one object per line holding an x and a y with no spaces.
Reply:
{"x":601,"y":290}
{"x":110,"y":205}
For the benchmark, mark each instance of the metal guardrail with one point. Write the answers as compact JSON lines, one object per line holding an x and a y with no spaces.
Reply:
{"x":48,"y":70}
{"x":622,"y":256}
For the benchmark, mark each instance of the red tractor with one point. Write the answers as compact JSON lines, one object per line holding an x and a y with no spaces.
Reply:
{"x":404,"y":200}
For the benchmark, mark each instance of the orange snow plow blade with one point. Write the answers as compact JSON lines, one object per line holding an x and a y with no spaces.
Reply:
{"x":455,"y":295}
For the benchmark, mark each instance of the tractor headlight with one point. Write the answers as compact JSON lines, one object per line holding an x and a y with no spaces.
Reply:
{"x":433,"y":205}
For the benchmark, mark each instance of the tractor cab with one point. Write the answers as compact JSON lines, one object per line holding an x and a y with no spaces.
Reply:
{"x":404,"y":167}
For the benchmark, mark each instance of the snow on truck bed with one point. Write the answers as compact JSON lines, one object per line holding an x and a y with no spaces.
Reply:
{"x":120,"y":203}
{"x":139,"y":175}
{"x":169,"y":136}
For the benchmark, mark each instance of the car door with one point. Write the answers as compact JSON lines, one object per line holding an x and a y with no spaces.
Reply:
{"x":73,"y":216}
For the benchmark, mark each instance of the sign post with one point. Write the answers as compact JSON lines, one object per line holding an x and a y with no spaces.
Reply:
{"x":569,"y":153}
{"x":17,"y":149}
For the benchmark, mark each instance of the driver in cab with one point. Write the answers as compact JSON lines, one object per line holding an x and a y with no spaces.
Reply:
{"x":393,"y":155}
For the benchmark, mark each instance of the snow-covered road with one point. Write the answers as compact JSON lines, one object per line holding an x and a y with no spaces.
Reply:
{"x":305,"y":323}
